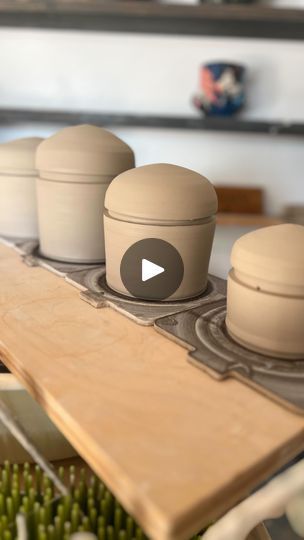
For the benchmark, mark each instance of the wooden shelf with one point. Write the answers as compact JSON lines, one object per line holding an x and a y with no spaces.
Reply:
{"x":155,"y":18}
{"x":15,"y":116}
{"x":247,"y":220}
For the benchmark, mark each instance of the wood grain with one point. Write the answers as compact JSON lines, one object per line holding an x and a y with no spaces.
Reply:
{"x":240,"y":200}
{"x":247,"y":220}
{"x":176,"y":447}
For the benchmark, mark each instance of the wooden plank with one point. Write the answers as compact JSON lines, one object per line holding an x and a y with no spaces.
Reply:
{"x":17,"y":116}
{"x":239,"y":199}
{"x":247,"y":220}
{"x":154,"y":17}
{"x":177,"y":447}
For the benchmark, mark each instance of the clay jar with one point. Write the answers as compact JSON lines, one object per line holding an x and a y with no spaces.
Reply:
{"x":75,"y":167}
{"x":265,"y":299}
{"x":166,"y":202}
{"x":18,"y":207}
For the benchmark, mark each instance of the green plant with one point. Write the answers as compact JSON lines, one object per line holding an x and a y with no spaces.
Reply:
{"x":89,"y":507}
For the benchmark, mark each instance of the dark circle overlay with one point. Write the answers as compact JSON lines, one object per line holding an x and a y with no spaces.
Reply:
{"x":158,"y":252}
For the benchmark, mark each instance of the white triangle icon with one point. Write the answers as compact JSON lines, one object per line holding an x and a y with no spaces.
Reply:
{"x":150,"y":270}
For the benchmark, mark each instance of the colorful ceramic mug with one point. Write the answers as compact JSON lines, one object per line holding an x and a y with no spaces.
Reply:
{"x":222,"y":89}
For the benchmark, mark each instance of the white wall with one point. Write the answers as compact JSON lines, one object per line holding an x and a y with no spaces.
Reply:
{"x":285,"y":3}
{"x":159,"y":75}
{"x":143,"y":73}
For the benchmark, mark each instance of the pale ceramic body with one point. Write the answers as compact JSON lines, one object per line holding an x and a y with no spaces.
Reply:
{"x":165,"y":202}
{"x":18,"y":206}
{"x":266,"y":323}
{"x":70,"y":220}
{"x":18,"y":201}
{"x":75,"y":168}
{"x":193,"y":242}
{"x":35,"y":423}
{"x":265,"y":297}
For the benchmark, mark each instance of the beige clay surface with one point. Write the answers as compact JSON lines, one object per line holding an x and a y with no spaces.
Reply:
{"x":18,"y":206}
{"x":164,"y":202}
{"x":76,"y":166}
{"x":265,"y":298}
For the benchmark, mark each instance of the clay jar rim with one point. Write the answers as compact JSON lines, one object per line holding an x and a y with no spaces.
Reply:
{"x":68,"y":177}
{"x":271,"y":259}
{"x":161,"y":192}
{"x":157,"y":222}
{"x":265,"y":287}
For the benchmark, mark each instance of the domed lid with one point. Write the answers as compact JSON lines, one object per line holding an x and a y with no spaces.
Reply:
{"x":84,"y":150}
{"x":274,"y":255}
{"x":18,"y":156}
{"x":161,"y":192}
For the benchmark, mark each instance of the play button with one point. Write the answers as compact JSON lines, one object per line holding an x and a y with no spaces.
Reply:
{"x":152,"y":269}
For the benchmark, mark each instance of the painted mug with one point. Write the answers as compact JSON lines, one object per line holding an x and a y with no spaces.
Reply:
{"x":222,"y":89}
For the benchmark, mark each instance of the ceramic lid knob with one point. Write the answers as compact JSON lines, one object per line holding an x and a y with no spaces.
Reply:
{"x":18,"y":156}
{"x":161,"y":192}
{"x":85,"y":149}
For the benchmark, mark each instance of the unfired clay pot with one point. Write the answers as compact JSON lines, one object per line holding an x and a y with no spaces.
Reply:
{"x":18,"y":207}
{"x":164,"y":202}
{"x":46,"y":437}
{"x":75,"y":167}
{"x":265,"y":299}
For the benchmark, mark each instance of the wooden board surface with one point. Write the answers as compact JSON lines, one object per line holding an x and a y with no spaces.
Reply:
{"x":175,"y":446}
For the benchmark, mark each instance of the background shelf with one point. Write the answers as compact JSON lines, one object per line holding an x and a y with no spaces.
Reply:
{"x":15,"y":116}
{"x":155,"y":18}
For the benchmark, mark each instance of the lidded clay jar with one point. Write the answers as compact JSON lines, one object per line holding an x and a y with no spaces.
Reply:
{"x":18,"y":206}
{"x":75,"y":167}
{"x":161,"y":202}
{"x":265,"y":298}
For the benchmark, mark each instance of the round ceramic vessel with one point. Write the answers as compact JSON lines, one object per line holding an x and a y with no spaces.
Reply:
{"x":265,"y":296}
{"x":222,"y":91}
{"x":18,"y":206}
{"x":35,"y":422}
{"x":75,"y":167}
{"x":163,"y":202}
